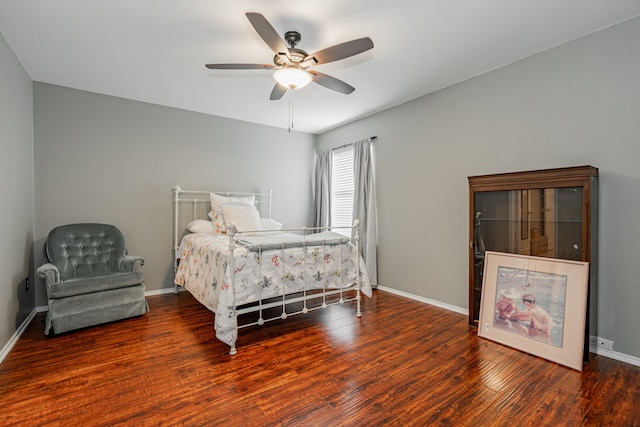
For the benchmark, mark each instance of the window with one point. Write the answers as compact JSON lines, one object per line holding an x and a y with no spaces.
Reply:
{"x":342,"y":185}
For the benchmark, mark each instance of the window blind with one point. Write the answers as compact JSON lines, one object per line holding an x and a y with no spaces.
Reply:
{"x":342,"y":190}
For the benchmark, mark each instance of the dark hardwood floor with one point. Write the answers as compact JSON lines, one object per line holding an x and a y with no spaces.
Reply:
{"x":403,"y":363}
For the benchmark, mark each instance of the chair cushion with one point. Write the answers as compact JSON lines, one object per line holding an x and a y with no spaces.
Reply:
{"x":87,"y":285}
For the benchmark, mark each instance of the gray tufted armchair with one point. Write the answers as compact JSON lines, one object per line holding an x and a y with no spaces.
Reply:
{"x":89,"y":277}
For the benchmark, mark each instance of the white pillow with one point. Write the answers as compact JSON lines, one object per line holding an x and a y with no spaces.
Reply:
{"x":244,"y":217}
{"x":200,"y":226}
{"x":216,"y":214}
{"x":270,"y":224}
{"x":217,"y":200}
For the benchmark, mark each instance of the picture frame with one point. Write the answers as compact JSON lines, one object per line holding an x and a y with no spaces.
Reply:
{"x":536,"y":305}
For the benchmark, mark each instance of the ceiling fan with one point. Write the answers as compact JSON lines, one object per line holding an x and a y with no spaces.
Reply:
{"x":292,"y":65}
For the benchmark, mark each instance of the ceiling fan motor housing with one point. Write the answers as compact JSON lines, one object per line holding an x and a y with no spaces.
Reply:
{"x":296,"y":55}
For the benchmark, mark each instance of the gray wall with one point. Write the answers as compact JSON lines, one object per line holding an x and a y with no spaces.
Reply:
{"x":16,"y":175}
{"x":105,"y":159}
{"x":578,"y":104}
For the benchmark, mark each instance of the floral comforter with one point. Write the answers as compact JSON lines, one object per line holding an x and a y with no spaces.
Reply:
{"x":204,"y":272}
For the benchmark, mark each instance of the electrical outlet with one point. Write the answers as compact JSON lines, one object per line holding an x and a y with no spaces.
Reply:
{"x":604,"y":343}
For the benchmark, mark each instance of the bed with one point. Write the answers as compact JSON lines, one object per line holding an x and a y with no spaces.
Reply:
{"x":290,"y":271}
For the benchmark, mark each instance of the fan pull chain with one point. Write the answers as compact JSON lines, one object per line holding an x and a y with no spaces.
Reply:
{"x":290,"y":110}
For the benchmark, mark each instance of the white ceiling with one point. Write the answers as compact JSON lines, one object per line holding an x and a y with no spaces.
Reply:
{"x":155,"y":50}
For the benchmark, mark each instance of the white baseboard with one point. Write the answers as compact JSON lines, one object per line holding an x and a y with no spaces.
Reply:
{"x":164,"y":291}
{"x":14,"y":338}
{"x":621,"y":357}
{"x":435,"y":303}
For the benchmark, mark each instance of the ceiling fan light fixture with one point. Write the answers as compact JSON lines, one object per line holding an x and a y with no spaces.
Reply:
{"x":292,"y":77}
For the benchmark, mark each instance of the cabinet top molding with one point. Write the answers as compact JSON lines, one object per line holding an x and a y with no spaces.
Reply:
{"x":559,"y":177}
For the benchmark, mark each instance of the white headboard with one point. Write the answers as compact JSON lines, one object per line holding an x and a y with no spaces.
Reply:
{"x":196,"y":204}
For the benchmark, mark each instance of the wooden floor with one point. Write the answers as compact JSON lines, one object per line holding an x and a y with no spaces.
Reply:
{"x":403,"y":363}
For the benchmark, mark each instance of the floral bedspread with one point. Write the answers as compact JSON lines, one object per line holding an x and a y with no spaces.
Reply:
{"x":204,"y":272}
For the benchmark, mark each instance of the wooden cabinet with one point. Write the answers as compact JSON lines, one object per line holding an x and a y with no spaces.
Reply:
{"x":549,"y":213}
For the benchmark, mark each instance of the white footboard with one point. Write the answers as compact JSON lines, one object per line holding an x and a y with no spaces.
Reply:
{"x":235,"y":290}
{"x":306,"y":294}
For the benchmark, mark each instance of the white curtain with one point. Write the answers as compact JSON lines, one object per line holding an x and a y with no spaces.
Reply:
{"x":322,"y":190}
{"x":364,"y":206}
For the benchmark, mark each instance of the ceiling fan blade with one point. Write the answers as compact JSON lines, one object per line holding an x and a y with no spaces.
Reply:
{"x":338,"y":52}
{"x":268,"y":34}
{"x":331,"y":82}
{"x":277,"y":92}
{"x":240,"y":66}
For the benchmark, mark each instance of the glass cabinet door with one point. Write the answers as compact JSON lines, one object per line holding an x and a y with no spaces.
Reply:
{"x":540,"y":213}
{"x":545,"y":222}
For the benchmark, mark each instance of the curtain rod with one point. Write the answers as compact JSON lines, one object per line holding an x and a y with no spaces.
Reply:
{"x":348,"y":145}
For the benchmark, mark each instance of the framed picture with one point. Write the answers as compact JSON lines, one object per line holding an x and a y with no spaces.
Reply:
{"x":536,"y":305}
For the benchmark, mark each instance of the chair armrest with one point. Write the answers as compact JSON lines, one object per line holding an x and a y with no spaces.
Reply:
{"x":132,"y":263}
{"x":49,"y":273}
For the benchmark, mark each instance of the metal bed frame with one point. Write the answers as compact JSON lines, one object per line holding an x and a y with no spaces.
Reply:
{"x":199,"y":202}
